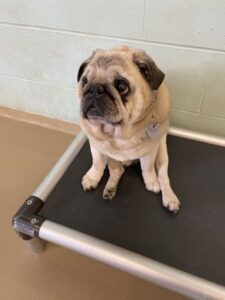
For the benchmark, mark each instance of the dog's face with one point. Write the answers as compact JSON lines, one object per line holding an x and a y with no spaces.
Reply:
{"x":117,"y":86}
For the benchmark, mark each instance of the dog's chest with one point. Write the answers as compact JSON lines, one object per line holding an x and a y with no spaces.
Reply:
{"x":127,"y":149}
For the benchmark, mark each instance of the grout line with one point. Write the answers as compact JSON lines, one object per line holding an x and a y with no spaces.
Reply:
{"x":122,"y":39}
{"x":202,"y":100}
{"x":198,"y":113}
{"x":36,"y":81}
{"x":144,"y":20}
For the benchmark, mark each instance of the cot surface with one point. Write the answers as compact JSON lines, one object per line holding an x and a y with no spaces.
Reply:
{"x":192,"y":241}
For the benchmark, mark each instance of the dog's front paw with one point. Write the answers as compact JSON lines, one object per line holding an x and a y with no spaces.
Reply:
{"x":109,"y":194}
{"x":89,"y":183}
{"x":171,"y":202}
{"x":153,"y":185}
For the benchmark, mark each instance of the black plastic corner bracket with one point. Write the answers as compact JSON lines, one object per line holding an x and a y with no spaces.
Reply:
{"x":26,"y":221}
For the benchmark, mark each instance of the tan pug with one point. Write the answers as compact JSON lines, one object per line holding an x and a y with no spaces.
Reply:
{"x":125,"y":114}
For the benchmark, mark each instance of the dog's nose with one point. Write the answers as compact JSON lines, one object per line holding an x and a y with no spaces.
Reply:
{"x":96,"y":89}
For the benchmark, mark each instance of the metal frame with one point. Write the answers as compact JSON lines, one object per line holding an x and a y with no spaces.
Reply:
{"x":49,"y":182}
{"x":27,"y":222}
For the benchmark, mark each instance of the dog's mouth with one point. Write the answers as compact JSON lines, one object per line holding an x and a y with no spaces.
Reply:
{"x":99,"y":106}
{"x":95,"y":116}
{"x":92,"y":112}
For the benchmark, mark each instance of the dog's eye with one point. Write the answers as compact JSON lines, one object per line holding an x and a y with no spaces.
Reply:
{"x":84,"y":81}
{"x":122,"y":86}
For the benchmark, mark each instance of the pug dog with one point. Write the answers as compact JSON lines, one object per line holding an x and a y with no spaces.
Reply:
{"x":125,"y":115}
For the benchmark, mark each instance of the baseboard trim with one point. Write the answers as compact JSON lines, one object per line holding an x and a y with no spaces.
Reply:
{"x":46,"y":122}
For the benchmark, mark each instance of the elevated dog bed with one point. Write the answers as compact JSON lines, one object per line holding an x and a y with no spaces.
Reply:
{"x":133,"y":232}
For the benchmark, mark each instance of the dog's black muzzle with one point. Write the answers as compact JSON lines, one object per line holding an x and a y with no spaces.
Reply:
{"x":97,"y":103}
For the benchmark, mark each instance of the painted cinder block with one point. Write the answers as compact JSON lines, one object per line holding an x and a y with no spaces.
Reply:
{"x":214,"y":100}
{"x":39,"y":98}
{"x":191,"y":23}
{"x":198,"y":122}
{"x":40,"y":55}
{"x":115,"y":18}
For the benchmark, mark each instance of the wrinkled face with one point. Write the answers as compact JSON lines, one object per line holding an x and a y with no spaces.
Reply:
{"x":117,"y":86}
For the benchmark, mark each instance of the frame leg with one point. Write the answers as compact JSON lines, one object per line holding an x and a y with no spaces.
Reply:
{"x":35,"y":245}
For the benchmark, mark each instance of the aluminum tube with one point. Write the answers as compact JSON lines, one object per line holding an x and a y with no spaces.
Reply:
{"x":141,"y":266}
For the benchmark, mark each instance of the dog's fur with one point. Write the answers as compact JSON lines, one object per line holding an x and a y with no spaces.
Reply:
{"x":125,"y":114}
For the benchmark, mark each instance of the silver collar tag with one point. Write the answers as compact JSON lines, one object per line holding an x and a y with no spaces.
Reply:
{"x":153,"y":130}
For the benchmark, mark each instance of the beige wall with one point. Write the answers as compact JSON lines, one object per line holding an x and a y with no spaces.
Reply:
{"x":43,"y":43}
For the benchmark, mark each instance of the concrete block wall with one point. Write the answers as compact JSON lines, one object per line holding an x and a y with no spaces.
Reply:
{"x":42,"y":44}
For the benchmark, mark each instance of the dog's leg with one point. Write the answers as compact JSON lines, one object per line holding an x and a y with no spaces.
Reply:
{"x":116,"y":170}
{"x":170,"y":200}
{"x":148,"y":170}
{"x":94,"y":175}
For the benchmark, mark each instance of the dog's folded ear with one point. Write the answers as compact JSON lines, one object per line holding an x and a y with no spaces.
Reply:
{"x":153,"y":75}
{"x":81,"y":69}
{"x":85,"y":63}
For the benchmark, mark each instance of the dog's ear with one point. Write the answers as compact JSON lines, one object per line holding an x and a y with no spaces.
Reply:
{"x":81,"y":69}
{"x":153,"y":75}
{"x":85,"y":63}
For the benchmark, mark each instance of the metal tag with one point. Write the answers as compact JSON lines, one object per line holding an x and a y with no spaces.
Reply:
{"x":153,"y":130}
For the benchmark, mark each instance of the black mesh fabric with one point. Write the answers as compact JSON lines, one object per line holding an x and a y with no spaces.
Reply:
{"x":192,"y":241}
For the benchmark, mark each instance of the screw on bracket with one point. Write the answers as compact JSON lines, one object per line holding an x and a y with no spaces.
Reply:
{"x":34,"y":221}
{"x":29,"y":202}
{"x":26,"y":221}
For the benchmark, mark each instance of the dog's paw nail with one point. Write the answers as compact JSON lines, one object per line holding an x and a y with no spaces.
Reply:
{"x":109,"y":194}
{"x":175,"y":211}
{"x":172,"y":204}
{"x":90,"y":189}
{"x":174,"y":207}
{"x":88,"y":183}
